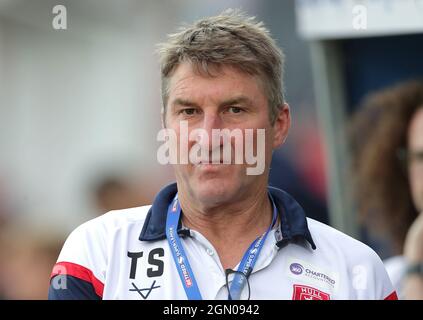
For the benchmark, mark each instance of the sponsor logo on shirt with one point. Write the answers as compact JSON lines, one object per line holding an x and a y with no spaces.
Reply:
{"x":301,"y":270}
{"x":302,"y":292}
{"x":296,"y":268}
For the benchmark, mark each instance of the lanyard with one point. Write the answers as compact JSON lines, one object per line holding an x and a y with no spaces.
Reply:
{"x":181,"y":260}
{"x":249,"y":259}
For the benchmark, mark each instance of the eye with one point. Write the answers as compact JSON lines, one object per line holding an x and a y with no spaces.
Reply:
{"x":234,"y":109}
{"x":188,"y":111}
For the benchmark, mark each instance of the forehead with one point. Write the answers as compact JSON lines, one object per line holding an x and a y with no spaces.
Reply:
{"x":225,"y":82}
{"x":415,"y":132}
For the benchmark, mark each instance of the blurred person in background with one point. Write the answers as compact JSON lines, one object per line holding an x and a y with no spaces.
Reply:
{"x":113,"y":192}
{"x":26,"y":254}
{"x":285,"y":176}
{"x":26,"y":259}
{"x":387,"y":142}
{"x":219,"y":232}
{"x":6,"y":218}
{"x":3,"y":258}
{"x":6,"y":208}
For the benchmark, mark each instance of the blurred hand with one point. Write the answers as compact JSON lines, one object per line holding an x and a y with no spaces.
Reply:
{"x":413,"y":252}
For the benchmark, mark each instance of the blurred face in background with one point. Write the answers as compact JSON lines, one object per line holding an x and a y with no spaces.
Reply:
{"x":26,"y":261}
{"x":415,"y":150}
{"x":229,"y":100}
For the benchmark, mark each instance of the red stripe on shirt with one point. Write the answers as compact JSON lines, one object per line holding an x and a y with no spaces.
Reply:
{"x":80,"y":272}
{"x":392,"y":296}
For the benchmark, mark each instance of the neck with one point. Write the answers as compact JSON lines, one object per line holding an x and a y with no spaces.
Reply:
{"x":238,"y":223}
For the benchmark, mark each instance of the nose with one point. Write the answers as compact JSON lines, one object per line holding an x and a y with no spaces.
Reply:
{"x":211,"y":120}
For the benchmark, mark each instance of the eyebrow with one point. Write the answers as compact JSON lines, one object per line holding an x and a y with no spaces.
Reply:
{"x":235,"y":100}
{"x":185,"y":103}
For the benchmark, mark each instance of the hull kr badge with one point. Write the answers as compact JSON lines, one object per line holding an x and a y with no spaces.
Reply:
{"x":302,"y":292}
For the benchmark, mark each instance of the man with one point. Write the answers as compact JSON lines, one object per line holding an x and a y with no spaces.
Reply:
{"x":388,"y":167}
{"x":219,"y":232}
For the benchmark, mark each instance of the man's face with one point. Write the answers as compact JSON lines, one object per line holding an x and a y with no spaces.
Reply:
{"x":415,"y":146}
{"x":231,"y":100}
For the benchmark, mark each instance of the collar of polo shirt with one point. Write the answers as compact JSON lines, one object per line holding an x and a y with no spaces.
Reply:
{"x":293,"y":224}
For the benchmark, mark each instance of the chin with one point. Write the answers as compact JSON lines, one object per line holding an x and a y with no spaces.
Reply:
{"x":215,"y":191}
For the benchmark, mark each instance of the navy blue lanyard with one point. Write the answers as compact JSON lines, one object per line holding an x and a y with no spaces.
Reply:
{"x":181,"y":260}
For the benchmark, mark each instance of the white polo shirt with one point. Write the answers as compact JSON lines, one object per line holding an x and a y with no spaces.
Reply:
{"x":124,"y":254}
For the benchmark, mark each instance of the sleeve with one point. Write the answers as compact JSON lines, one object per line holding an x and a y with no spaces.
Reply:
{"x":79,"y":273}
{"x":371,"y":280}
{"x":395,"y":266}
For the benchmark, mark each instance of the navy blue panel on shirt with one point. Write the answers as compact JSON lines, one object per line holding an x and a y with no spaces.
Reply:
{"x":65,"y":287}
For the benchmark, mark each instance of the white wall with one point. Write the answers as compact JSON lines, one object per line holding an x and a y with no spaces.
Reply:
{"x":77,"y":102}
{"x":73,"y":102}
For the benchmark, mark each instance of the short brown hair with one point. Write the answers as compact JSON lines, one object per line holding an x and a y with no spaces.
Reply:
{"x":230,"y":38}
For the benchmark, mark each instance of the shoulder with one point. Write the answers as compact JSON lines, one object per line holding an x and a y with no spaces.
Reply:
{"x":358,"y":264}
{"x":119,"y":218}
{"x":92,"y":239}
{"x":329,"y":238}
{"x":83,"y":261}
{"x":113,"y":221}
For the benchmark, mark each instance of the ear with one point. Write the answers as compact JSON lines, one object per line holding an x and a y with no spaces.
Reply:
{"x":281,"y":126}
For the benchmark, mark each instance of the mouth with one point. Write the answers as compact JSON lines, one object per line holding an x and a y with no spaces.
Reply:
{"x":211,"y":166}
{"x":212,"y":163}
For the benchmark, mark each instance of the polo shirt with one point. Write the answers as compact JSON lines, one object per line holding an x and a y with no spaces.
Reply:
{"x":124,"y":254}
